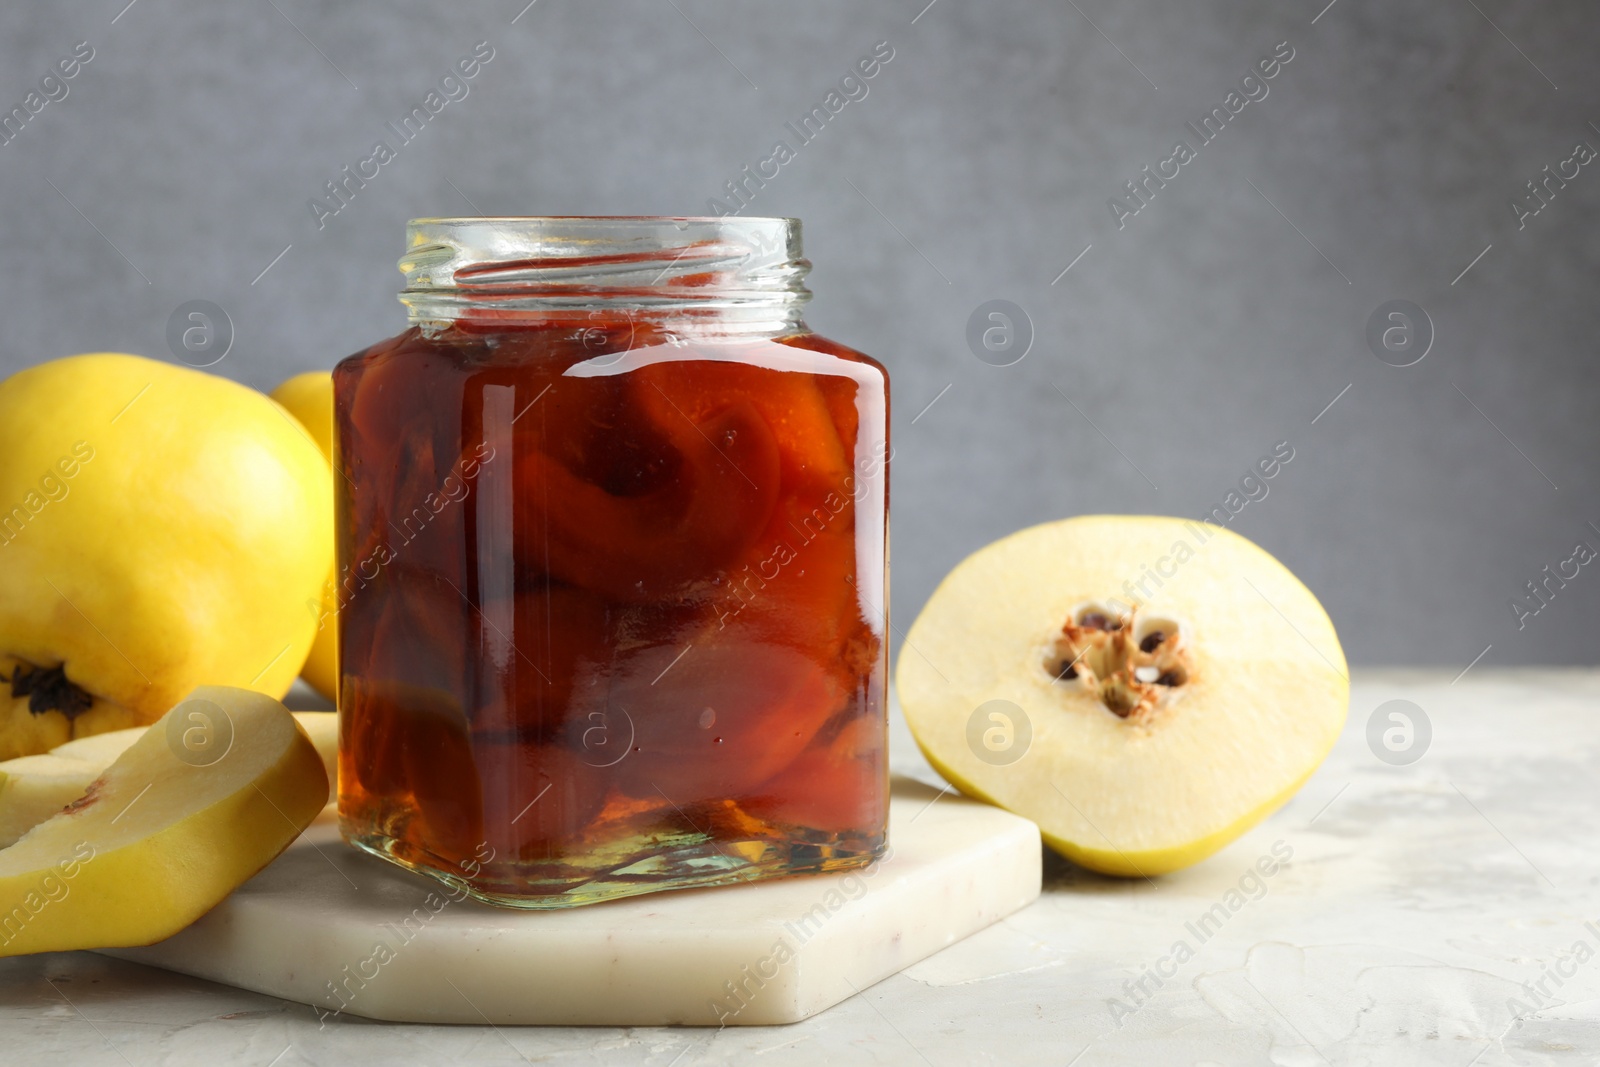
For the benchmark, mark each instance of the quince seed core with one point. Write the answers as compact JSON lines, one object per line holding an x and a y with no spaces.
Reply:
{"x":1132,"y":664}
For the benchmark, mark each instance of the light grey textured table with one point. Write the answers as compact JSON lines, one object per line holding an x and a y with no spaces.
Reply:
{"x":1421,"y":911}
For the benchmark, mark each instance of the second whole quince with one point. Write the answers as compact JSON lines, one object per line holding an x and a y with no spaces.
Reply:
{"x":309,"y":398}
{"x":160,"y":529}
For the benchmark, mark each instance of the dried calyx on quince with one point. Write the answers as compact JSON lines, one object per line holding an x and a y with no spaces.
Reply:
{"x":48,"y":689}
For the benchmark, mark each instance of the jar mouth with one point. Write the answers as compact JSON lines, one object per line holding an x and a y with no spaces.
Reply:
{"x":454,"y":266}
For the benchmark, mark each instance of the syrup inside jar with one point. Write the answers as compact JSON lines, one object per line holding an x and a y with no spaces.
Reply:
{"x":612,"y":566}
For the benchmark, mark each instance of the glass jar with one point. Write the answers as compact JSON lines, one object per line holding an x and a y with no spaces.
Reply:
{"x":612,"y":564}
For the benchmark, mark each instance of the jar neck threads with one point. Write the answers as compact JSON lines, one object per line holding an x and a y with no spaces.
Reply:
{"x":740,"y":276}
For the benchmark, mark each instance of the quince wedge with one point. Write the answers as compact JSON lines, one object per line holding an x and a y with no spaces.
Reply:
{"x":33,"y":788}
{"x":160,"y":528}
{"x":196,"y":806}
{"x":309,"y":398}
{"x":1146,"y":689}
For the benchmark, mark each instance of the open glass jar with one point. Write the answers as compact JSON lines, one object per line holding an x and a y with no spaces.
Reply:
{"x":612,"y":564}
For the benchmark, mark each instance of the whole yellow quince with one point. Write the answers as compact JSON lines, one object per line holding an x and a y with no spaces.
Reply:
{"x":160,"y":529}
{"x":309,"y":398}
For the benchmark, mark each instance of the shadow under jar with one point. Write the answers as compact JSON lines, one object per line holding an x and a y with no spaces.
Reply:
{"x":612,"y":535}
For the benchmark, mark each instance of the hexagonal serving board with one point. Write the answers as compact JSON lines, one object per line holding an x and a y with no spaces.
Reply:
{"x":349,"y":934}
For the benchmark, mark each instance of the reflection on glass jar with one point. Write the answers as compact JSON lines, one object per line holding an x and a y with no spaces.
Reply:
{"x":612,"y":536}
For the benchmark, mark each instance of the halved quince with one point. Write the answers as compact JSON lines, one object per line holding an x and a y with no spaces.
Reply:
{"x":203,"y":800}
{"x":1179,"y":683}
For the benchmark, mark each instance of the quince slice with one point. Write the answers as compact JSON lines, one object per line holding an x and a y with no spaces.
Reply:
{"x":33,"y":788}
{"x":208,"y":796}
{"x":100,"y":750}
{"x":1145,"y":689}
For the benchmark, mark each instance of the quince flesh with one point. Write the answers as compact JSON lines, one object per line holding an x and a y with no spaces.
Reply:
{"x":309,"y":398}
{"x":33,"y":788}
{"x":162,"y":837}
{"x":160,"y":528}
{"x":1180,"y":684}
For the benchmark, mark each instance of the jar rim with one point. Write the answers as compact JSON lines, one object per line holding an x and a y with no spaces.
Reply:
{"x":454,"y":264}
{"x":720,"y":219}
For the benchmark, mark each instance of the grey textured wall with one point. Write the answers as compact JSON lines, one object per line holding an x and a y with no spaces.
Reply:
{"x":1220,"y":319}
